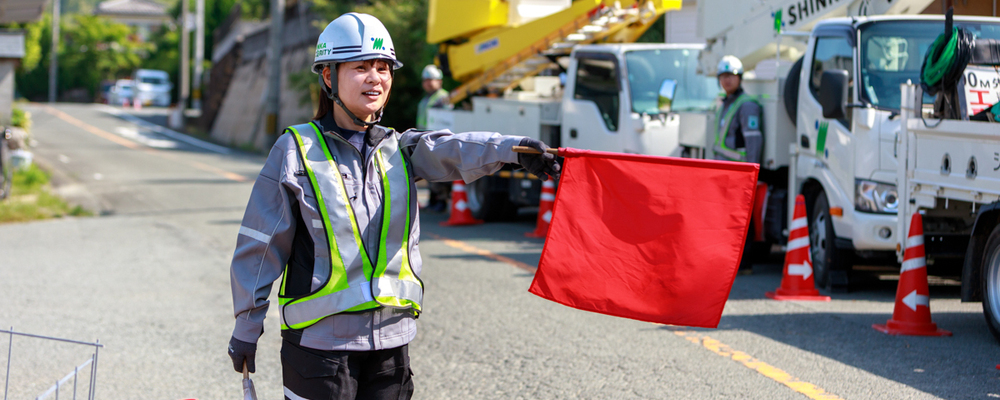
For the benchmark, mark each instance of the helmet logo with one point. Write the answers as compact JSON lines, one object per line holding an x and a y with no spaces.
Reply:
{"x":377,"y":45}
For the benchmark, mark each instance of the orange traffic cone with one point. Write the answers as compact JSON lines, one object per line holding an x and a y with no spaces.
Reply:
{"x":912,"y":314}
{"x":544,"y":210}
{"x":460,"y":213}
{"x":797,"y":281}
{"x":137,"y":104}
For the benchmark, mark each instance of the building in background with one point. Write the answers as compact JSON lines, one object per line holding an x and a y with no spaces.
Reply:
{"x":144,"y":15}
{"x":12,"y":47}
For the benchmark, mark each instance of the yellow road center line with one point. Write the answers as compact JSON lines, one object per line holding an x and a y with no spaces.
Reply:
{"x":485,"y":253}
{"x":809,"y":390}
{"x":136,"y":146}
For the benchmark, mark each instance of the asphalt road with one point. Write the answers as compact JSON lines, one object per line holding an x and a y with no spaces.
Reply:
{"x":149,"y":278}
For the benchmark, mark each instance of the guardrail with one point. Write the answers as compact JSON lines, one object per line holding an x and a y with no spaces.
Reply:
{"x":92,"y":362}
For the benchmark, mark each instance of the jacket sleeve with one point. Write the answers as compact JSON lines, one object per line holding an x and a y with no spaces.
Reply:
{"x":264,"y":242}
{"x":442,"y":156}
{"x":751,"y":124}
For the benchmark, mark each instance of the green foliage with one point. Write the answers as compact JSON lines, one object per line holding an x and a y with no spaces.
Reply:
{"x":656,"y":32}
{"x":406,"y":21}
{"x":20,"y":118}
{"x":92,"y":49}
{"x":31,"y":199}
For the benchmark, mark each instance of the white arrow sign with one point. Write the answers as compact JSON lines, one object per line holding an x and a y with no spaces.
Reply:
{"x":803,"y":270}
{"x":913,"y":300}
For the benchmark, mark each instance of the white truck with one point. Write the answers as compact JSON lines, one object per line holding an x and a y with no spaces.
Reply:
{"x":836,"y":134}
{"x":950,"y":172}
{"x":628,"y":98}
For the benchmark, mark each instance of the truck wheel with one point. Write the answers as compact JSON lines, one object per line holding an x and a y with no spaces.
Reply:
{"x":991,"y":283}
{"x":825,"y":256}
{"x":489,"y":200}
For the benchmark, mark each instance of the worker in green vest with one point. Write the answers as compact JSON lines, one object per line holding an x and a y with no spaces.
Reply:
{"x":434,"y":97}
{"x":333,"y":219}
{"x":738,"y":127}
{"x":738,"y":119}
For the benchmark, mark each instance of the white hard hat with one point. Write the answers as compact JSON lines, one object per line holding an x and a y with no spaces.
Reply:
{"x":729,"y":64}
{"x":354,"y":37}
{"x":431,"y":72}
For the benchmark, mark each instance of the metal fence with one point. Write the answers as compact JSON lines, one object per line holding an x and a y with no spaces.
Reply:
{"x":60,"y":384}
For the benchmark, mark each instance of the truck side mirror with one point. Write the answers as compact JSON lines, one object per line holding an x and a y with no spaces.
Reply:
{"x":666,"y":95}
{"x":833,"y":93}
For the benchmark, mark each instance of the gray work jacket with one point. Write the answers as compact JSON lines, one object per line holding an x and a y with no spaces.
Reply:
{"x":282,"y":206}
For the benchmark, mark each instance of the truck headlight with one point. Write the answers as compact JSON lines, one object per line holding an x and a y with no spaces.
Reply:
{"x":875,"y":197}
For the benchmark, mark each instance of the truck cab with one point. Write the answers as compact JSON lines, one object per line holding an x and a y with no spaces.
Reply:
{"x":639,"y":98}
{"x":844,"y":152}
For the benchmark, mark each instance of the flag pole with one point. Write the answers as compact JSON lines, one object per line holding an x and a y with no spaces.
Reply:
{"x":532,"y":150}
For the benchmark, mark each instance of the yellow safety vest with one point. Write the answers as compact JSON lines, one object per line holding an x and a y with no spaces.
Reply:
{"x":354,"y":284}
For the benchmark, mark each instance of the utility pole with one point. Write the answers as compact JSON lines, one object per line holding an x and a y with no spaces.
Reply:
{"x":185,"y":55}
{"x":54,"y":64}
{"x":273,"y":102}
{"x":199,"y":52}
{"x":177,"y":119}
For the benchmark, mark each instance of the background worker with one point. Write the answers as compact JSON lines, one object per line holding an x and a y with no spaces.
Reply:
{"x":434,"y":97}
{"x":738,"y":134}
{"x":333,"y":215}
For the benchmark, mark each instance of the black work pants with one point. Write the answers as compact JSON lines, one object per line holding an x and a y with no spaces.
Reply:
{"x":345,"y":375}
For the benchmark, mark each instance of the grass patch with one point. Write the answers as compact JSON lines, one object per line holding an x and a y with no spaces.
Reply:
{"x":30,"y":199}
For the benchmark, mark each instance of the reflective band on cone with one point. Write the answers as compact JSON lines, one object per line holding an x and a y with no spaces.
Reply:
{"x":797,"y":280}
{"x":460,"y":212}
{"x":545,"y":203}
{"x":912,"y":314}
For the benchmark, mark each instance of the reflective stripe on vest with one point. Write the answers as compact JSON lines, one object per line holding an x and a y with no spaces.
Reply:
{"x":720,"y":135}
{"x":354,"y":284}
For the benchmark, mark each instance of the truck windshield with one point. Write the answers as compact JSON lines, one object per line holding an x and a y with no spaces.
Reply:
{"x":648,"y":68}
{"x":893,"y":51}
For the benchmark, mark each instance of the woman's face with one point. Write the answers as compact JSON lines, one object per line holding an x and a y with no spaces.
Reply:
{"x":363,"y":86}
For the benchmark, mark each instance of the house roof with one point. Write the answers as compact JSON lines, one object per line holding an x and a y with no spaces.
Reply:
{"x":131,"y":7}
{"x":21,"y":10}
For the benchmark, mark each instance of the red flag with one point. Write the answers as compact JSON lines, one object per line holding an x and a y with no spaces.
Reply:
{"x":657,"y":239}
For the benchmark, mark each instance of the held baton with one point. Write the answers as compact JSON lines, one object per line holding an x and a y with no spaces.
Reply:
{"x":532,"y":150}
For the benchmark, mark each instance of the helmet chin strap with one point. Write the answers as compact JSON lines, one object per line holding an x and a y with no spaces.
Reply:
{"x":354,"y":118}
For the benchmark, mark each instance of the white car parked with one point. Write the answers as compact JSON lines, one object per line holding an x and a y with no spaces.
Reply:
{"x":121,"y":92}
{"x":152,"y":87}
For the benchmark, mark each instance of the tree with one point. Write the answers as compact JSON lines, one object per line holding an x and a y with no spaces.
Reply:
{"x":92,"y":49}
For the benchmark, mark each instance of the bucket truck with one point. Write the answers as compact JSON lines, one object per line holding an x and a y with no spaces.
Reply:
{"x":582,"y":83}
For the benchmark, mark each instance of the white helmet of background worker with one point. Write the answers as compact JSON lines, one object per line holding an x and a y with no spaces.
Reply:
{"x":431,"y":72}
{"x":731,"y":65}
{"x":352,"y":37}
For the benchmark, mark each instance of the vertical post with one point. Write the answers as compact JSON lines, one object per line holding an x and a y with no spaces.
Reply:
{"x":54,"y":58}
{"x":199,"y":52}
{"x":57,"y":389}
{"x":10,"y":346}
{"x":793,"y":184}
{"x":93,"y":372}
{"x":76,"y":373}
{"x":274,"y":66}
{"x":185,"y":54}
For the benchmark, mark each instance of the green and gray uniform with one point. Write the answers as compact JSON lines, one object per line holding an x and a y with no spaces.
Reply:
{"x":284,"y":231}
{"x":438,"y":99}
{"x":738,"y":129}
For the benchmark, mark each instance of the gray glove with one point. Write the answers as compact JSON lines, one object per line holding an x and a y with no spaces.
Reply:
{"x":541,"y":165}
{"x":241,"y":351}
